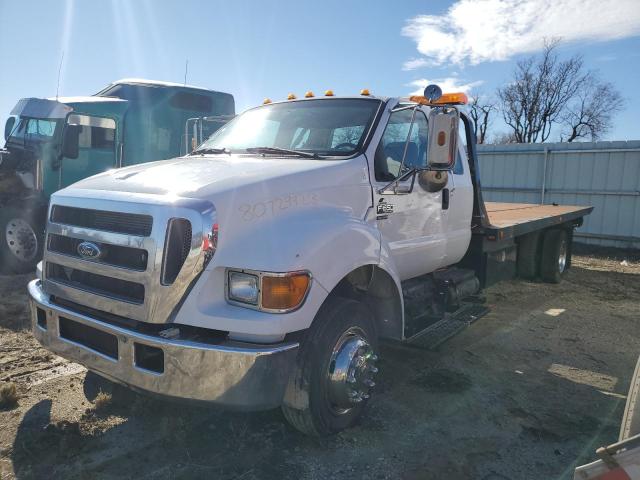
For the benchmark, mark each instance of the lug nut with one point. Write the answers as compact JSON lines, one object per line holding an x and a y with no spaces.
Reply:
{"x":373,"y":369}
{"x":369,"y":383}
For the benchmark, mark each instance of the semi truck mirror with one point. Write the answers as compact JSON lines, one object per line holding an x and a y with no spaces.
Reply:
{"x":71,"y":141}
{"x":8,"y":127}
{"x":443,"y":138}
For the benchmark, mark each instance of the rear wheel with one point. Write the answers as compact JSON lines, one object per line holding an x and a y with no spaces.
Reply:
{"x":20,"y":240}
{"x":335,"y":369}
{"x":528,"y":255}
{"x":555,"y":255}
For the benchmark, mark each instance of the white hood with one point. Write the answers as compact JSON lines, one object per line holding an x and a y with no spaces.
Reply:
{"x":206,"y":177}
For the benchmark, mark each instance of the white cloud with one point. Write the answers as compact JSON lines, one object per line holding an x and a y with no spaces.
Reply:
{"x":448,"y":84}
{"x":475,"y":31}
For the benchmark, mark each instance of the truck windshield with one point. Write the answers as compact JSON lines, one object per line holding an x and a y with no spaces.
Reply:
{"x":37,"y":129}
{"x":325,"y":127}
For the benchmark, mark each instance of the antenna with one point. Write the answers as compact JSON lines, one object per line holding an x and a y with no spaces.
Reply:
{"x":186,"y":69}
{"x":59,"y":71}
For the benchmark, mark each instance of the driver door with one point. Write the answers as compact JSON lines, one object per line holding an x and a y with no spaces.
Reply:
{"x":412,"y":224}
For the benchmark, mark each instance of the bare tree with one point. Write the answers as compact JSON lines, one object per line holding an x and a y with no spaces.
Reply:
{"x":504,"y":137}
{"x":539,"y":92}
{"x":591,"y":112}
{"x":480,"y":111}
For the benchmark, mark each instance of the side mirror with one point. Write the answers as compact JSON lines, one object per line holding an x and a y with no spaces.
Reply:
{"x":8,"y":127}
{"x":443,"y":138}
{"x":71,"y":141}
{"x":433,"y":181}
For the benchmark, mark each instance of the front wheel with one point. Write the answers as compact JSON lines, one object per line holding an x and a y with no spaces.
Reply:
{"x":20,"y":240}
{"x":335,"y":369}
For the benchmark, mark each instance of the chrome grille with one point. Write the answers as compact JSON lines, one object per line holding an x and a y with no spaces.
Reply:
{"x":126,"y":257}
{"x":146,"y":261}
{"x":109,"y":287}
{"x":127,"y":223}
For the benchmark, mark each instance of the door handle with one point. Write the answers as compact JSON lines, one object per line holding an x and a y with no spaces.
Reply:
{"x":445,"y":199}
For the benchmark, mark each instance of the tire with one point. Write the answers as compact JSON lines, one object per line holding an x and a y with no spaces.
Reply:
{"x":555,"y":255}
{"x":21,"y":239}
{"x":342,"y":334}
{"x":528,"y":261}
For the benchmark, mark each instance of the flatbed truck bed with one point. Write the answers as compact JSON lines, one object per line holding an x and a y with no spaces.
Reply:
{"x":504,"y":233}
{"x":506,"y":220}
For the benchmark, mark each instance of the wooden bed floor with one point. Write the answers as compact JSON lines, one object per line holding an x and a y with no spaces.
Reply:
{"x":506,"y":214}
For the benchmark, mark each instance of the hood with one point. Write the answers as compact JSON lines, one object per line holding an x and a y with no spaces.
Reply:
{"x":203,"y":177}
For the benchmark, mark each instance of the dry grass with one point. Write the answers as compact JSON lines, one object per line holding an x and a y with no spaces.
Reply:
{"x":102,"y":400}
{"x":8,"y":395}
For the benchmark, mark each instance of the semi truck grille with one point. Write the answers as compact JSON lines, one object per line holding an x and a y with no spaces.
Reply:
{"x":116,"y":255}
{"x":117,"y":222}
{"x":176,"y":249}
{"x":98,"y":284}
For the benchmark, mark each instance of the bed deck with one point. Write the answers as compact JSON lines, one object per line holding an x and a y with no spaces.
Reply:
{"x":512,"y":219}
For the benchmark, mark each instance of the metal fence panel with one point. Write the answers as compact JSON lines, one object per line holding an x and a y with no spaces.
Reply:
{"x":605,"y":175}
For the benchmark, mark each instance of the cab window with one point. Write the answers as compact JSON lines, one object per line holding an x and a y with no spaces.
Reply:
{"x":95,"y":132}
{"x":398,"y":135}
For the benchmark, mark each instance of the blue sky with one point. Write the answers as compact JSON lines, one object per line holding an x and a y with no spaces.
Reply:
{"x":257,"y":49}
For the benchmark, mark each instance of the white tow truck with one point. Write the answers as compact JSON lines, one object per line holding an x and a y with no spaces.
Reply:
{"x":262,"y":270}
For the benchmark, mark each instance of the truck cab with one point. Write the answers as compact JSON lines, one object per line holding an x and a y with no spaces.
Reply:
{"x":263,"y":269}
{"x":51,"y":144}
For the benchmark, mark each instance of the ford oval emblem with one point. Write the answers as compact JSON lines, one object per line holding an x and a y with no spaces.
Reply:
{"x":89,"y":250}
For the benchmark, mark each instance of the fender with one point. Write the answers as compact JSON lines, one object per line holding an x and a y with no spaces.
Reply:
{"x":317,"y":239}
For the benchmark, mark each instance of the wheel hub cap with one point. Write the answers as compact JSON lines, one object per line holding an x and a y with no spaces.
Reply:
{"x":21,"y":239}
{"x":562,"y":258}
{"x":351,"y":371}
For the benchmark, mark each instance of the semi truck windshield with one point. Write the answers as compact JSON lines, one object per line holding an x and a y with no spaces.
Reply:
{"x":325,"y":128}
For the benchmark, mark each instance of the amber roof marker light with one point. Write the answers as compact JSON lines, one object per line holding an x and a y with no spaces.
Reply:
{"x":433,"y":96}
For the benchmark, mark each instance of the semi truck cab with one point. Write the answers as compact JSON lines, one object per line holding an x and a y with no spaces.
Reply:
{"x":52,"y":143}
{"x":263,"y":269}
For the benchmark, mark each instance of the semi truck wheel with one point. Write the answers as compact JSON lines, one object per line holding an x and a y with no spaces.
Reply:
{"x":528,"y":261}
{"x":21,"y":240}
{"x":555,"y":255}
{"x":335,"y":369}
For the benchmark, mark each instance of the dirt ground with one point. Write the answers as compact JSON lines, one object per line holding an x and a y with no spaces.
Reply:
{"x":527,"y":392}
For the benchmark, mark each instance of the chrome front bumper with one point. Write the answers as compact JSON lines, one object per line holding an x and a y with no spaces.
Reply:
{"x":245,"y":376}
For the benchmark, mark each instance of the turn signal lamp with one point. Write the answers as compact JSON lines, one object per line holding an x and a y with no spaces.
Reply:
{"x":266,"y":101}
{"x":309,"y":94}
{"x":365,"y":91}
{"x":291,"y":96}
{"x":284,"y":293}
{"x":457,"y":98}
{"x":328,"y":93}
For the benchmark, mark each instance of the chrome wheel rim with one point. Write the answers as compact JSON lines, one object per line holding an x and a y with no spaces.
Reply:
{"x":21,"y":239}
{"x":562,"y":257}
{"x":351,"y":371}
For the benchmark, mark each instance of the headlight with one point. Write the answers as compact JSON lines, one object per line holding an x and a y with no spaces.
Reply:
{"x":270,"y":292}
{"x":243,"y":288}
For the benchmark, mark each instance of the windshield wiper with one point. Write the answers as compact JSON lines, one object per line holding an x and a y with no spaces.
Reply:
{"x":286,"y":151}
{"x":202,"y":151}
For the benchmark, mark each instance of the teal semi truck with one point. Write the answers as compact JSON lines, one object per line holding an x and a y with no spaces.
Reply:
{"x":51,"y":144}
